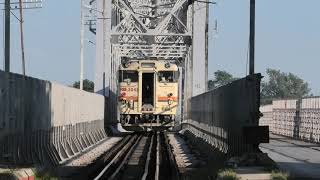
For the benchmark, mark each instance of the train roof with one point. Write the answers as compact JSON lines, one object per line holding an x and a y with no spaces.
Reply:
{"x":149,"y":65}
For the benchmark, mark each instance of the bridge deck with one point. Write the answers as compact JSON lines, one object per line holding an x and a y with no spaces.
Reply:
{"x":300,"y":159}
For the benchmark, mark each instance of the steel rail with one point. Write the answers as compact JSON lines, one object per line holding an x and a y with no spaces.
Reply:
{"x":92,"y":171}
{"x":157,"y":173}
{"x":126,"y":158}
{"x":117,"y":148}
{"x":175,"y":174}
{"x":148,"y":161}
{"x":159,"y":152}
{"x":115,"y":159}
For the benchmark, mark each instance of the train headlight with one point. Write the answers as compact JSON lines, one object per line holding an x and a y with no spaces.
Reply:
{"x":131,"y":104}
{"x":170,"y":95}
{"x":128,"y":81}
{"x":126,"y":65}
{"x":123,"y":101}
{"x":166,"y":108}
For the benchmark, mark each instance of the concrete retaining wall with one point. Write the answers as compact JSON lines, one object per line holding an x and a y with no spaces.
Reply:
{"x":219,"y":116}
{"x":267,"y":116}
{"x":43,"y":122}
{"x":69,"y":105}
{"x":298,"y":118}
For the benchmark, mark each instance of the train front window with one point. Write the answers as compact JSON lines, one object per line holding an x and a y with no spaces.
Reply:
{"x":168,"y":76}
{"x":128,"y":76}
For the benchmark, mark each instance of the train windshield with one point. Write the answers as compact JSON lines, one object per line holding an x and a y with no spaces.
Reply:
{"x":128,"y":76}
{"x":168,"y":76}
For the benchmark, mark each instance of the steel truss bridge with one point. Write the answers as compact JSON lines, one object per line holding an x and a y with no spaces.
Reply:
{"x":165,"y":30}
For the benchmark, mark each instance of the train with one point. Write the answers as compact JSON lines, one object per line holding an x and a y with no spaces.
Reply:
{"x":149,"y":94}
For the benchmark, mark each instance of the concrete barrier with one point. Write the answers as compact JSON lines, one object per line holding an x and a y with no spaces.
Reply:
{"x":297,"y":118}
{"x":267,"y":118}
{"x":43,"y":122}
{"x":220,"y":116}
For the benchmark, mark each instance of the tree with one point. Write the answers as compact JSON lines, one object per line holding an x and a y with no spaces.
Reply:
{"x":87,"y":85}
{"x":283,"y":85}
{"x":220,"y":78}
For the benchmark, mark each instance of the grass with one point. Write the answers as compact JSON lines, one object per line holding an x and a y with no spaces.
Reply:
{"x":45,"y":176}
{"x":227,"y":174}
{"x":279,"y":175}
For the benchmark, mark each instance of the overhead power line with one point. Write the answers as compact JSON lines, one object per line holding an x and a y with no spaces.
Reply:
{"x":8,"y":6}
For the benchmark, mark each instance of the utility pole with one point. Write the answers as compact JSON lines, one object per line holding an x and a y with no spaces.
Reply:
{"x":81,"y":44}
{"x":16,"y":5}
{"x":21,"y":40}
{"x":252,"y":35}
{"x":7,"y":36}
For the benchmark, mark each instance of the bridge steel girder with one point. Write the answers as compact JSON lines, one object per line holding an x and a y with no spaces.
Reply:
{"x":170,"y":30}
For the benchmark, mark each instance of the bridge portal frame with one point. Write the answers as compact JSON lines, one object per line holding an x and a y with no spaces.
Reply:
{"x":168,"y":30}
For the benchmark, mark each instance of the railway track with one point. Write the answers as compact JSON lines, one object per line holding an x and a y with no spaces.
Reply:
{"x":141,"y":156}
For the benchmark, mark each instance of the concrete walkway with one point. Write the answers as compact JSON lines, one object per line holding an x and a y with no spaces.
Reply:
{"x":300,"y":159}
{"x":252,"y":173}
{"x":16,"y":174}
{"x":183,"y":156}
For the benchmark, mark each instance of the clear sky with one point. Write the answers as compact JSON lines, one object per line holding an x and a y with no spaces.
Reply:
{"x":52,"y":42}
{"x":287,"y":38}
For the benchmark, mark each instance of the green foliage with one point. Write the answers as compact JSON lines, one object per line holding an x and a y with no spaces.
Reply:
{"x":227,"y":174}
{"x":279,"y":176}
{"x":220,"y":78}
{"x":87,"y":85}
{"x":43,"y":176}
{"x":283,"y":85}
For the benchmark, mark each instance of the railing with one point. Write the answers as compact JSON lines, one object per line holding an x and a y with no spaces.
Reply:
{"x":43,"y":122}
{"x":227,"y":117}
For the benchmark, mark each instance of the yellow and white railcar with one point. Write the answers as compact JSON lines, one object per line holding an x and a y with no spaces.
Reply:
{"x":148,"y":94}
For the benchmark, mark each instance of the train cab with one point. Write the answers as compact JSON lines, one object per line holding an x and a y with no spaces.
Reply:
{"x":148,"y":96}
